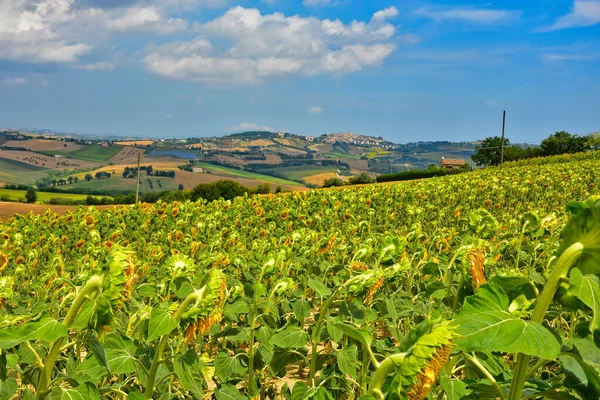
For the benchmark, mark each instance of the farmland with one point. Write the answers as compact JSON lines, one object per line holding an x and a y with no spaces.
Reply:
{"x":480,"y":285}
{"x":43,"y":197}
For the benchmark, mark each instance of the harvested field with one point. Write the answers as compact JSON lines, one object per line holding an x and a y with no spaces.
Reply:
{"x":318,"y":179}
{"x":191,"y":179}
{"x":49,"y":162}
{"x":44,"y":145}
{"x":127,"y":155}
{"x":257,"y":142}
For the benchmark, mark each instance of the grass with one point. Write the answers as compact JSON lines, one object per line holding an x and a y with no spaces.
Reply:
{"x":245,"y":174}
{"x":13,"y":171}
{"x":341,"y":155}
{"x":43,"y":197}
{"x":91,"y":152}
{"x":297,"y":173}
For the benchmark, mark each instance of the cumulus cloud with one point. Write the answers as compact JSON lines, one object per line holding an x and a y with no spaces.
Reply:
{"x":467,"y":14}
{"x":583,"y":13}
{"x":62,"y":31}
{"x":315,"y":110}
{"x":15,"y":81}
{"x":251,"y":126}
{"x":274,"y":45}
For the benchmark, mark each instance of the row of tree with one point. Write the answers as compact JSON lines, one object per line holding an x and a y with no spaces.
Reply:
{"x":488,"y":152}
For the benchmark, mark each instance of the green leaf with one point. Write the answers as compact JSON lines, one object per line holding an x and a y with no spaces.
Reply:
{"x":587,"y":289}
{"x":362,"y":335}
{"x":319,"y":287}
{"x":283,"y":357}
{"x":346,"y":360}
{"x":189,"y":371}
{"x":228,"y":367}
{"x":301,"y":309}
{"x":135,"y":396}
{"x":48,"y":329}
{"x":291,"y":336}
{"x":579,"y":376}
{"x":161,"y":323}
{"x":81,"y":392}
{"x":454,"y":389}
{"x":228,"y":392}
{"x":486,"y":324}
{"x":120,"y":361}
{"x":8,"y":388}
{"x":335,"y":333}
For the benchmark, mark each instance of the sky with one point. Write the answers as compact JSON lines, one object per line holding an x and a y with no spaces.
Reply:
{"x":406,"y":70}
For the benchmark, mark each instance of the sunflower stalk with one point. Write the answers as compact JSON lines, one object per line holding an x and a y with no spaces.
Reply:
{"x":93,"y":286}
{"x":566,"y":261}
{"x":193,"y":298}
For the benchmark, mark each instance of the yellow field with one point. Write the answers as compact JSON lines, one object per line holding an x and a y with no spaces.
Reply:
{"x":257,"y":142}
{"x":318,"y":179}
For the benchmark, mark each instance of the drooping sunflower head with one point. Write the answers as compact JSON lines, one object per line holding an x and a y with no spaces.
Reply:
{"x":474,"y":267}
{"x":209,"y":309}
{"x":428,"y":347}
{"x":179,"y":263}
{"x":113,"y":287}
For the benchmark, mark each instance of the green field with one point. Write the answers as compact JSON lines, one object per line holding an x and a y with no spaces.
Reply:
{"x":302,"y":172}
{"x":341,"y":155}
{"x":12,"y":171}
{"x":91,"y":152}
{"x":119,"y":183}
{"x":43,"y":197}
{"x":245,"y":174}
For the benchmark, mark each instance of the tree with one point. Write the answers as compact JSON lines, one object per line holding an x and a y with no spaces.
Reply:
{"x":30,"y":195}
{"x":263,"y":188}
{"x":149,"y":169}
{"x":334,"y":181}
{"x":361,"y":178}
{"x":181,"y":186}
{"x":488,"y":151}
{"x":278,"y":189}
{"x":88,"y":177}
{"x":70,"y":179}
{"x":563,"y":142}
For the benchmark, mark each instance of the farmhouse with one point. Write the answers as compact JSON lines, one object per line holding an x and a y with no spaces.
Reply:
{"x":452,"y":163}
{"x":197,"y":169}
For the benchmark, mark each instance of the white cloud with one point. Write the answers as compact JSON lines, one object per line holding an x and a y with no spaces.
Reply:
{"x":558,"y":57}
{"x":251,"y":126}
{"x":15,"y":81}
{"x":273,"y":45}
{"x":44,"y":83}
{"x":584,"y":13}
{"x":315,"y":110}
{"x":99,"y":66}
{"x":468,"y":14}
{"x":64,"y":30}
{"x":388,"y":13}
{"x":316,"y":3}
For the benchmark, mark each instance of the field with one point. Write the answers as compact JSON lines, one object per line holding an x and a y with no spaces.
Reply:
{"x":119,"y":183}
{"x":483,"y":285}
{"x":341,"y":155}
{"x":244,"y":174}
{"x":13,"y":171}
{"x":44,"y":145}
{"x":136,"y":143}
{"x":96,"y":153}
{"x":42,"y":197}
{"x":297,"y":173}
{"x":45,"y":161}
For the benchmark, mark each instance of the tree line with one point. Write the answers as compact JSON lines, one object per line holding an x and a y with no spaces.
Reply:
{"x":488,"y":152}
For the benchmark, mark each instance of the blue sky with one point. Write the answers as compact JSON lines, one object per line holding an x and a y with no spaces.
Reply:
{"x":407,"y":70}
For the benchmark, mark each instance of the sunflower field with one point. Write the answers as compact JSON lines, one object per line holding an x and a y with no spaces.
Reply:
{"x":482,"y":285}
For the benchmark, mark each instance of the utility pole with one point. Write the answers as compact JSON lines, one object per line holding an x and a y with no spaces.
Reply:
{"x":502,"y":146}
{"x":137,"y":187}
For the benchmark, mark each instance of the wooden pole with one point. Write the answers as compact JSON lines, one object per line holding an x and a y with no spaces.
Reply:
{"x":137,"y":186}
{"x":502,"y":146}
